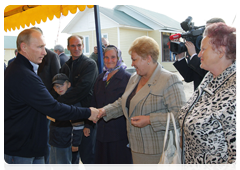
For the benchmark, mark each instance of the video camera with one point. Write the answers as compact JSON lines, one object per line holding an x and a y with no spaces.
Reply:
{"x":193,"y":34}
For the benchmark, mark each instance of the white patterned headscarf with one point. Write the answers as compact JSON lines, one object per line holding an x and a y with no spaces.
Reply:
{"x":120,"y":63}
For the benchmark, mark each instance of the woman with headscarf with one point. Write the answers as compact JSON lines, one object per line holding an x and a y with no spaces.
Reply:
{"x":111,"y":140}
{"x":151,"y":93}
{"x":208,"y":119}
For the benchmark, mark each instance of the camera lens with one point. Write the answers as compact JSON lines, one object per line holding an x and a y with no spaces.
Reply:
{"x":178,"y":47}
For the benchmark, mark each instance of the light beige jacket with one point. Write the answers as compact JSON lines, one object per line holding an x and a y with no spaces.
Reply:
{"x":163,"y":93}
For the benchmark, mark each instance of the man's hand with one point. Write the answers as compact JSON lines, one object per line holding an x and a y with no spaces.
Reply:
{"x":74,"y":148}
{"x":181,"y":55}
{"x":190,"y":47}
{"x":140,"y":121}
{"x":94,"y":114}
{"x":86,"y":132}
{"x":102,"y":113}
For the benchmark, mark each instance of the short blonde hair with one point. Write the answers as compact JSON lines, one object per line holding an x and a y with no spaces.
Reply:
{"x":145,"y":46}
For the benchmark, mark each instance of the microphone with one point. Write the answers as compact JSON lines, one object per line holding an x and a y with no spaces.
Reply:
{"x":175,"y":36}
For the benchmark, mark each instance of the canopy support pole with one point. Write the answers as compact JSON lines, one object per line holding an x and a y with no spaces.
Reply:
{"x":99,"y":38}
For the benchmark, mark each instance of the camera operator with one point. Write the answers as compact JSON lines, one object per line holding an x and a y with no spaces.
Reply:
{"x":189,"y":68}
{"x":94,"y":55}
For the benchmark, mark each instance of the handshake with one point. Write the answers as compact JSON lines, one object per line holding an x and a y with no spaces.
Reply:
{"x":96,"y":114}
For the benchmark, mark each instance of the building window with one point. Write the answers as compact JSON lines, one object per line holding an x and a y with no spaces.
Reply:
{"x":105,"y":36}
{"x":167,"y":55}
{"x":86,"y":45}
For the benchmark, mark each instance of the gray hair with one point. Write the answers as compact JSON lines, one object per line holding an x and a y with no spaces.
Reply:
{"x":59,"y":48}
{"x":215,"y":20}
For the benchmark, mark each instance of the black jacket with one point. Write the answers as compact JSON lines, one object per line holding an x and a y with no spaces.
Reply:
{"x":115,"y":129}
{"x":63,"y":58}
{"x":191,"y":71}
{"x":82,"y":74}
{"x":49,"y":68}
{"x":26,"y":104}
{"x":62,"y":134}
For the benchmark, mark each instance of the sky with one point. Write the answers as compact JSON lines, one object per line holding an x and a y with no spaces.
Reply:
{"x":176,"y":9}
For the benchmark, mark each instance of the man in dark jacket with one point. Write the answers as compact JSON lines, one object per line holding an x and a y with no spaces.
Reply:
{"x":60,"y":52}
{"x":47,"y":69}
{"x":82,"y":72}
{"x":190,"y":68}
{"x":27,"y":102}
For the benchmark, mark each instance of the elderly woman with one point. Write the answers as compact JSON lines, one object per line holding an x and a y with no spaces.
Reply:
{"x":208,"y":120}
{"x":111,"y":139}
{"x":150,"y":94}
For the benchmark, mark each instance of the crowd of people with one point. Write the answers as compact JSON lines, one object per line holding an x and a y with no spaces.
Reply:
{"x":115,"y":117}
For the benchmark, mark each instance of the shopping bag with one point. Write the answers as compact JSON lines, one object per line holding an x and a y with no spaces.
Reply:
{"x":172,"y":155}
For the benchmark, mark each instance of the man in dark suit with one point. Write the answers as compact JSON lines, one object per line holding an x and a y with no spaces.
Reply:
{"x":189,"y":68}
{"x":62,"y":56}
{"x":27,"y":102}
{"x":47,"y":70}
{"x":49,"y":67}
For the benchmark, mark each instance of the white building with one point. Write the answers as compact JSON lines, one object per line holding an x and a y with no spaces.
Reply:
{"x":122,"y":25}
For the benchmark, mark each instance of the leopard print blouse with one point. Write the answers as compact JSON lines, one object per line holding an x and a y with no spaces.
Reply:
{"x":208,"y":120}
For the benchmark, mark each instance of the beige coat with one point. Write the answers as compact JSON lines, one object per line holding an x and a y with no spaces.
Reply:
{"x":163,"y":93}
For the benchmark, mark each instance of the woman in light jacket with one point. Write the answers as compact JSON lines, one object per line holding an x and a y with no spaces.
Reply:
{"x":150,"y":94}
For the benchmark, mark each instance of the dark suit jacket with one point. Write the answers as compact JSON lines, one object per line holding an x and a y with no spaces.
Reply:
{"x":11,"y":60}
{"x":113,"y":130}
{"x":49,"y":68}
{"x":63,"y":58}
{"x":26,"y":104}
{"x":191,"y":71}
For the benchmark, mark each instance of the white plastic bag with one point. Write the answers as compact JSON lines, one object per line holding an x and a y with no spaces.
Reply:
{"x":172,"y":155}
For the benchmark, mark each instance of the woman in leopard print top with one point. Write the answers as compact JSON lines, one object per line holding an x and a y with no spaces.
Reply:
{"x":208,"y":120}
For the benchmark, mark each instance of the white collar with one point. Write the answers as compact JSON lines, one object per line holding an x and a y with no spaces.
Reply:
{"x":35,"y":67}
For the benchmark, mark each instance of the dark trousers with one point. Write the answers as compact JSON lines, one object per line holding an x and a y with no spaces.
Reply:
{"x":23,"y":160}
{"x":86,"y":150}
